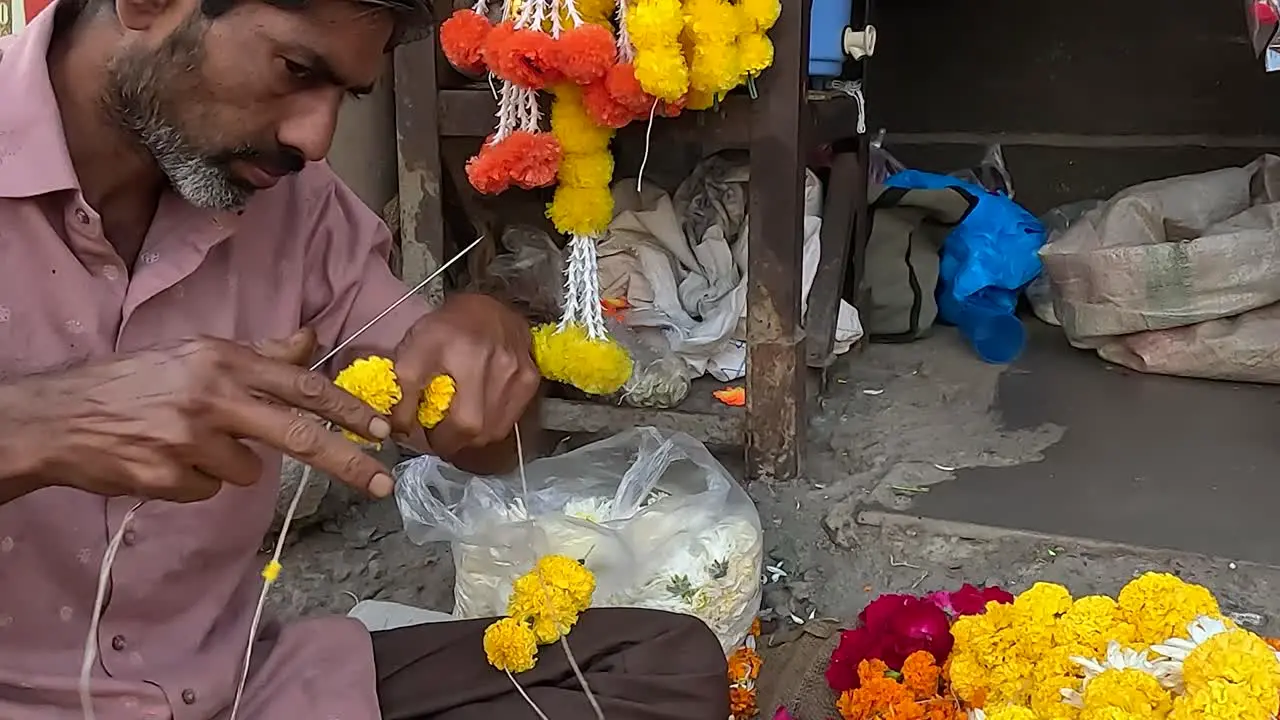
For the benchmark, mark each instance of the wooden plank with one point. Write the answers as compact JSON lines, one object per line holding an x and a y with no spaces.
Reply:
{"x":848,"y":183}
{"x":592,"y":417}
{"x":418,"y":154}
{"x":776,"y":397}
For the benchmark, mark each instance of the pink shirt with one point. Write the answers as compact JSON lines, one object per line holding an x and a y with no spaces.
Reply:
{"x":185,"y":583}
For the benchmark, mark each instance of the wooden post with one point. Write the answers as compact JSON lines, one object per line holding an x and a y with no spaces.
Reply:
{"x":418,"y":152}
{"x":776,"y":395}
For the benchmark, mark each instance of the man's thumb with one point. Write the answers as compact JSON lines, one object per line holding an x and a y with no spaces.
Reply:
{"x":297,"y":349}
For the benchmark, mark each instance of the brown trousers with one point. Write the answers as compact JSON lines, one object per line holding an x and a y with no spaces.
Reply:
{"x":641,"y":665}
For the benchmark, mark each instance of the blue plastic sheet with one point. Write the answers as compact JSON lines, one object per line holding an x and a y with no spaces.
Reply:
{"x":986,"y":262}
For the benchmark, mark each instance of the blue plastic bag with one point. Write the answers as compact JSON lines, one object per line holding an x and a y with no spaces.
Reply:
{"x":986,"y":262}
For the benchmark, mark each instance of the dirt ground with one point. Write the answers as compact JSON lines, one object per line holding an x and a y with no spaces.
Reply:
{"x":896,"y":416}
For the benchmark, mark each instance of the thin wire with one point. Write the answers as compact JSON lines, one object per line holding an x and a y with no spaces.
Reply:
{"x":648,"y":139}
{"x":329,"y":355}
{"x":91,"y":640}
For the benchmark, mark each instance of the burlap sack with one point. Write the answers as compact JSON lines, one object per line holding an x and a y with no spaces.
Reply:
{"x":1170,"y":253}
{"x":793,"y":674}
{"x":1178,"y":276}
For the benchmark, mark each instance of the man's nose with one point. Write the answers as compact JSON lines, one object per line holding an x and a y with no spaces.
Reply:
{"x":310,"y":124}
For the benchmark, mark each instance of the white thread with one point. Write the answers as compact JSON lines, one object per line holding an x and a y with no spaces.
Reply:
{"x":91,"y":640}
{"x":525,"y":695}
{"x":557,"y":10}
{"x":626,"y":51}
{"x":582,"y":680}
{"x":648,"y":142}
{"x":306,"y":477}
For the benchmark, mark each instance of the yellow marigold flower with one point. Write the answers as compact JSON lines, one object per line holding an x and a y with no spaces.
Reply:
{"x":510,"y":645}
{"x":550,"y":612}
{"x":596,"y":367}
{"x":759,"y":16}
{"x":1220,"y":700}
{"x":373,"y":380}
{"x":1125,"y":694}
{"x":1160,"y":606}
{"x":1240,"y":658}
{"x":436,"y":399}
{"x":570,"y":577}
{"x":1010,"y":712}
{"x":1091,"y":623}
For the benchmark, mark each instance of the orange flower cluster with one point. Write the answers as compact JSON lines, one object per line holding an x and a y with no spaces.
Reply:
{"x":527,"y":57}
{"x":618,"y":99}
{"x":744,"y":670}
{"x":917,"y":693}
{"x":525,"y":159}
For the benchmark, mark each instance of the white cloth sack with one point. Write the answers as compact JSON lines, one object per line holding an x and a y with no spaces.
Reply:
{"x":682,"y":265}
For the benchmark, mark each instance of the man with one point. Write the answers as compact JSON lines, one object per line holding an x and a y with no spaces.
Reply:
{"x":160,"y":179}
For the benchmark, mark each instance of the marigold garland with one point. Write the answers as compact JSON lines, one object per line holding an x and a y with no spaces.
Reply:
{"x":569,"y":355}
{"x":373,"y":380}
{"x":545,"y":605}
{"x":744,"y":669}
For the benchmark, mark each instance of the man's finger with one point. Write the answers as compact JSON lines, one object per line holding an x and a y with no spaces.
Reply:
{"x":311,"y":443}
{"x":297,"y":349}
{"x":412,"y":381}
{"x":229,"y":460}
{"x":311,"y":391}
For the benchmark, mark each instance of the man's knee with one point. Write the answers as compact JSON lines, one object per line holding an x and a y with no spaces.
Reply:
{"x":686,"y":641}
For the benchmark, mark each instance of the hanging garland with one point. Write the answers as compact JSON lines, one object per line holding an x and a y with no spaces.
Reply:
{"x":656,"y":58}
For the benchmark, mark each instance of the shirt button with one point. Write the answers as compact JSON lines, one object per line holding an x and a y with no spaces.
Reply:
{"x":189,"y":696}
{"x":117,"y":643}
{"x":130,"y":537}
{"x":82,"y":217}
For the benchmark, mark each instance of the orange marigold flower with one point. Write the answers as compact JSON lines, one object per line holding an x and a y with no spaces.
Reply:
{"x":920,"y":674}
{"x":742,"y":702}
{"x":755,"y":627}
{"x":462,"y":36}
{"x":585,"y":53}
{"x":879,"y":698}
{"x":744,"y":664}
{"x":869,"y":670}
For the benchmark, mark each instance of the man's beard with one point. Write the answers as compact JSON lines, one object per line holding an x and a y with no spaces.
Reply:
{"x":138,"y":96}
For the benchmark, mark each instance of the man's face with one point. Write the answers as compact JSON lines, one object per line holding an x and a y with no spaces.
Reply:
{"x":230,"y":105}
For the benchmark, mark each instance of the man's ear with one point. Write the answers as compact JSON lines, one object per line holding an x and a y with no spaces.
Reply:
{"x":153,"y":15}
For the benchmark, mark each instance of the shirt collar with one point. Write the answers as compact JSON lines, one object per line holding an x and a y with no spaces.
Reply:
{"x":33,"y":150}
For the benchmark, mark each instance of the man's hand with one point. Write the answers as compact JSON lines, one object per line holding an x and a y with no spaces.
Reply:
{"x":168,"y":424}
{"x":487,"y":348}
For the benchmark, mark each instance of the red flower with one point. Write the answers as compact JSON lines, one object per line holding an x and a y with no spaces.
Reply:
{"x":856,"y":645}
{"x":970,"y":600}
{"x":917,"y":625}
{"x":890,"y":629}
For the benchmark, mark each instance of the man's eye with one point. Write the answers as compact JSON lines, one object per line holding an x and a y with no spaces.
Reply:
{"x":298,"y":70}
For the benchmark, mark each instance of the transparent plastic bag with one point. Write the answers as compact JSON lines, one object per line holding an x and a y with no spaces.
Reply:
{"x":658,"y":379}
{"x":656,"y":517}
{"x":529,"y":274}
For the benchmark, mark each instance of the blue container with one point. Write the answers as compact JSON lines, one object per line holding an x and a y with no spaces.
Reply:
{"x":827,"y":22}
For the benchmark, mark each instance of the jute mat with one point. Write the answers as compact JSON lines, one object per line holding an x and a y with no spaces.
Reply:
{"x":793,"y":672}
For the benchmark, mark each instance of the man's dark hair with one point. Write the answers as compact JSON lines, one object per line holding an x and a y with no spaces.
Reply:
{"x":412,"y":16}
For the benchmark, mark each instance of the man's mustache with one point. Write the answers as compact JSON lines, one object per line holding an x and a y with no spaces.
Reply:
{"x":283,"y":161}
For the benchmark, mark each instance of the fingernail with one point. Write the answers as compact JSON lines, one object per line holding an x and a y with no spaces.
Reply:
{"x":381,"y":486}
{"x":380,"y":428}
